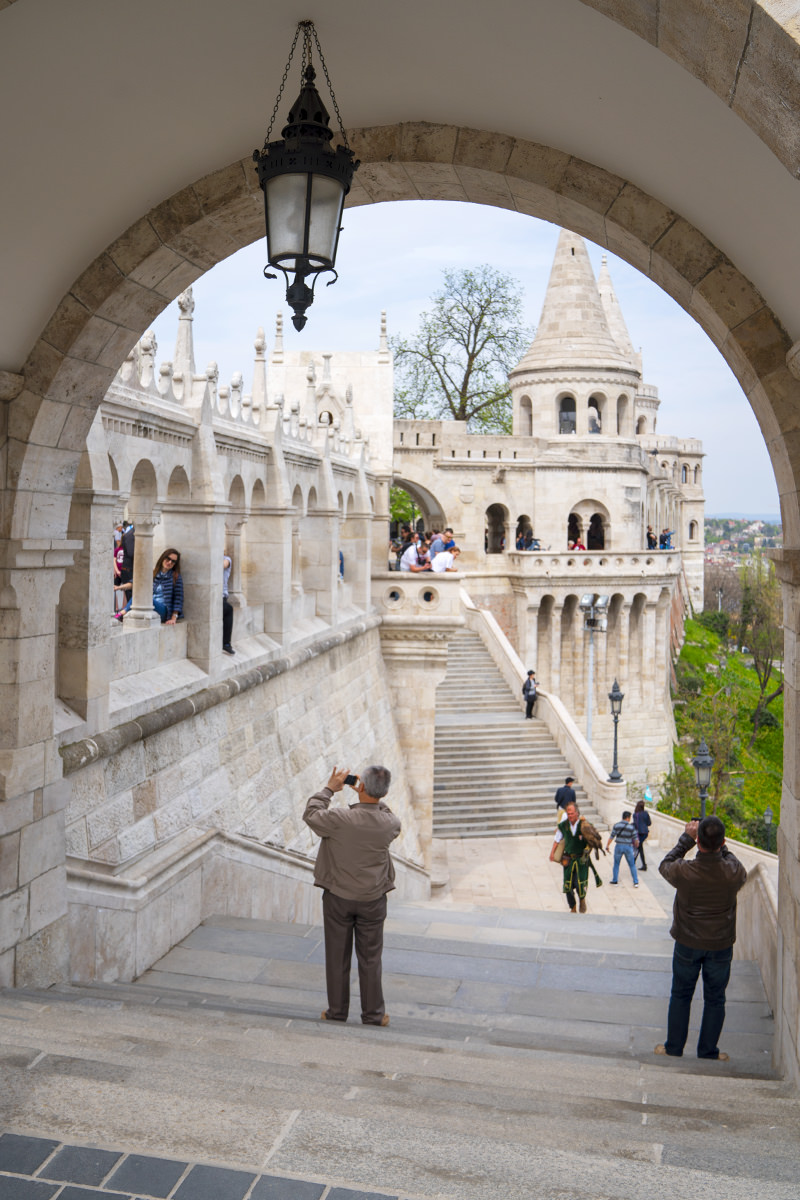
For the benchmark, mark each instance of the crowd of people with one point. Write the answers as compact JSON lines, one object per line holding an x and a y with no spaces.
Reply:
{"x":167,"y":598}
{"x":662,"y":542}
{"x":434,"y":551}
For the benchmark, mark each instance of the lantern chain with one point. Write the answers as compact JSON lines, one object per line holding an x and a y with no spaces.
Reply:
{"x":324,"y":66}
{"x":283,"y":83}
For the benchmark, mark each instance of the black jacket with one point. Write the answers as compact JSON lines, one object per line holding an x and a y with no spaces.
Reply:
{"x":704,"y":912}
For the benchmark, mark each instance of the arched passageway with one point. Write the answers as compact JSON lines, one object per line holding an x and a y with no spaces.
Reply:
{"x":52,"y":396}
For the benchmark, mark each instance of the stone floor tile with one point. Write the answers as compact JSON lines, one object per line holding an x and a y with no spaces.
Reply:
{"x":81,"y":1164}
{"x":214,"y":1183}
{"x":147,"y":1176}
{"x":273,"y":1187}
{"x":14,"y":1188}
{"x":340,"y":1193}
{"x":24,"y":1155}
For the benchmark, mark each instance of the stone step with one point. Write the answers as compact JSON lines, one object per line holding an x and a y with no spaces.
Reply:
{"x":518,"y":1062}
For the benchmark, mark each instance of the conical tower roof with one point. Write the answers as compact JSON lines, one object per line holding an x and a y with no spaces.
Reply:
{"x":616,"y":321}
{"x":573,"y":330}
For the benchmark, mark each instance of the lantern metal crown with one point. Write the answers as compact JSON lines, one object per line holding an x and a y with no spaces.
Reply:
{"x":304,"y":181}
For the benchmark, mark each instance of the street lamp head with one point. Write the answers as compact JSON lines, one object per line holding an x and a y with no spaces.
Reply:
{"x":767,"y":816}
{"x":616,"y":697}
{"x":703,"y":765}
{"x":587,"y":602}
{"x":304,"y":181}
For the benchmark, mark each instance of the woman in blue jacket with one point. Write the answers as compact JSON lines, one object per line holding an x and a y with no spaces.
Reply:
{"x":168,"y":587}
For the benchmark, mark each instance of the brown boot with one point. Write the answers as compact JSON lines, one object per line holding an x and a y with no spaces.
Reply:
{"x":583,"y":905}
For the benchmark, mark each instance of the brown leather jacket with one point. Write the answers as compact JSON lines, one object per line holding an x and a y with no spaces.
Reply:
{"x":704,"y":912}
{"x":353,"y":860}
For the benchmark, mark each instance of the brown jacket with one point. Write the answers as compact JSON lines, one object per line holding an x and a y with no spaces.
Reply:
{"x":704,"y":912}
{"x":353,"y":860}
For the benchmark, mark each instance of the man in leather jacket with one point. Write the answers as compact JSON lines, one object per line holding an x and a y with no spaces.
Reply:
{"x":704,"y":929}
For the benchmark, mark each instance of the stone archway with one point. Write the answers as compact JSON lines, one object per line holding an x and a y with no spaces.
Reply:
{"x":53,"y":401}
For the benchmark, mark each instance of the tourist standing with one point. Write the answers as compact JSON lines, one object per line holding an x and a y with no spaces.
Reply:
{"x":641,"y":819}
{"x":355,"y":871}
{"x":704,"y":929}
{"x":624,"y":835}
{"x":529,"y":695}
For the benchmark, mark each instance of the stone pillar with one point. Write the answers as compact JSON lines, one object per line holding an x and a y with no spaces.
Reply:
{"x":529,"y":640}
{"x":271,"y":546}
{"x":416,"y":664}
{"x":380,"y":525}
{"x":355,"y":543}
{"x":141,"y":614}
{"x":320,"y":562}
{"x":34,"y":935}
{"x":233,"y":548}
{"x":644,"y":667}
{"x":554,"y":683}
{"x":85,"y":608}
{"x":786,"y":1054}
{"x":198,"y":531}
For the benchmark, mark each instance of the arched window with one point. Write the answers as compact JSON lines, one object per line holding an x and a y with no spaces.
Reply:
{"x":595,"y":419}
{"x":573,"y":530}
{"x":525,"y":417}
{"x":684,"y":474}
{"x":692,"y":531}
{"x":524,"y":539}
{"x":622,"y":416}
{"x":495,"y":529}
{"x":697,"y":474}
{"x":641,"y":426}
{"x":596,"y":537}
{"x":566,"y":415}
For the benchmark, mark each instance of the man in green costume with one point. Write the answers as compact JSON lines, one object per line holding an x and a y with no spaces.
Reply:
{"x":575,"y":858}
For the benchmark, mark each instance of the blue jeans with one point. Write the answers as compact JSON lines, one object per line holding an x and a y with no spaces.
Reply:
{"x":627,"y":851}
{"x":162,"y":610}
{"x":686,"y":966}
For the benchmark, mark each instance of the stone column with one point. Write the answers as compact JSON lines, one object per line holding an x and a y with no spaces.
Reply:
{"x":554,"y":683}
{"x":85,"y":608}
{"x":644,"y":667}
{"x":34,"y":935}
{"x":786,"y":1053}
{"x":416,"y":664}
{"x":271,"y":545}
{"x":198,"y":530}
{"x":141,"y":614}
{"x":233,"y":538}
{"x":355,"y":534}
{"x":380,"y":525}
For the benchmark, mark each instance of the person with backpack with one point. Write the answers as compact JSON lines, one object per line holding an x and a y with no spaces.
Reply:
{"x":641,"y":819}
{"x":529,"y":693}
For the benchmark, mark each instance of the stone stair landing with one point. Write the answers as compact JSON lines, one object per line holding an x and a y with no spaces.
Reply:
{"x":495,"y":774}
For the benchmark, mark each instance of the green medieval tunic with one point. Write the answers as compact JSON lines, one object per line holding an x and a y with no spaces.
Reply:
{"x":575,"y":859}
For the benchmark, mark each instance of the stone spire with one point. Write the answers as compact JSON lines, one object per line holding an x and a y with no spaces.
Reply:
{"x":259,"y":400}
{"x":573,"y":330}
{"x":184,"y":343}
{"x":616,"y":321}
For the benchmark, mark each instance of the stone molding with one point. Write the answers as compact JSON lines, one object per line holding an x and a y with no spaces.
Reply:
{"x":77,"y":755}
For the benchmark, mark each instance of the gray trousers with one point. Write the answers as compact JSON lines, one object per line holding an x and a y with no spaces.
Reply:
{"x":344,"y":920}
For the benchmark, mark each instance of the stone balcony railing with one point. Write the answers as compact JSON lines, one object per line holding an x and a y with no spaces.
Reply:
{"x":421,"y":598}
{"x":595,"y":565}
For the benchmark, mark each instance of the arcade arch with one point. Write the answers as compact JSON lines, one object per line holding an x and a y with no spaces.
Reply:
{"x":432,"y":514}
{"x":182,"y":237}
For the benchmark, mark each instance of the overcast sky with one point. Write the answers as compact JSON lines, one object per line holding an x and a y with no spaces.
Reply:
{"x":391,"y":256}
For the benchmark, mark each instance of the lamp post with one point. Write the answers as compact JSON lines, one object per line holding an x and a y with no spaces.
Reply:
{"x":616,"y":697}
{"x":304,"y":182}
{"x":703,"y":765}
{"x":595,"y":619}
{"x":768,"y":823}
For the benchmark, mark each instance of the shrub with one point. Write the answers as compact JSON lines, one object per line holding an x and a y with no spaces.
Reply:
{"x":717,"y":622}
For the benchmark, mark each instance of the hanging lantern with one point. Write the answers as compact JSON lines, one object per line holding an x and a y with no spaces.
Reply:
{"x":304,"y":181}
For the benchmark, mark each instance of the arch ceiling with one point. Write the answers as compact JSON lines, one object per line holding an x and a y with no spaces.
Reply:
{"x":695,"y":103}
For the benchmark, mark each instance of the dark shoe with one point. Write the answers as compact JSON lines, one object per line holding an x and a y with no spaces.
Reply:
{"x":614,"y":882}
{"x":643,"y":867}
{"x":228,"y":649}
{"x":573,"y":910}
{"x":323,"y":1016}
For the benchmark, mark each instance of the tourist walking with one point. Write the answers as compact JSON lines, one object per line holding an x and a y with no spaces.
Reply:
{"x":641,"y":819}
{"x":574,"y":857}
{"x":624,"y":835}
{"x":355,"y":871}
{"x":704,"y":929}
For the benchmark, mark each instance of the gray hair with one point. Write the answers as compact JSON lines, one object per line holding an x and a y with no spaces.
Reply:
{"x":376,"y":781}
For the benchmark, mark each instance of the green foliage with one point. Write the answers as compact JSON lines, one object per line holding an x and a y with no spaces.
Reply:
{"x":401,"y":507}
{"x":746,"y":778}
{"x":456,"y":366}
{"x":717,"y":622}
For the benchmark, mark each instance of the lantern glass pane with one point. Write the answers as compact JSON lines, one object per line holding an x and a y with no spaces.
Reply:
{"x":327,"y":200}
{"x":286,"y":212}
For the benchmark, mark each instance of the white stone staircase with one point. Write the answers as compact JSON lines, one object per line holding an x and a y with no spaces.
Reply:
{"x":495,"y":774}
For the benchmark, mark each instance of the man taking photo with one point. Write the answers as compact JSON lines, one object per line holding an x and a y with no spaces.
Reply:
{"x":704,"y":929}
{"x":355,"y":871}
